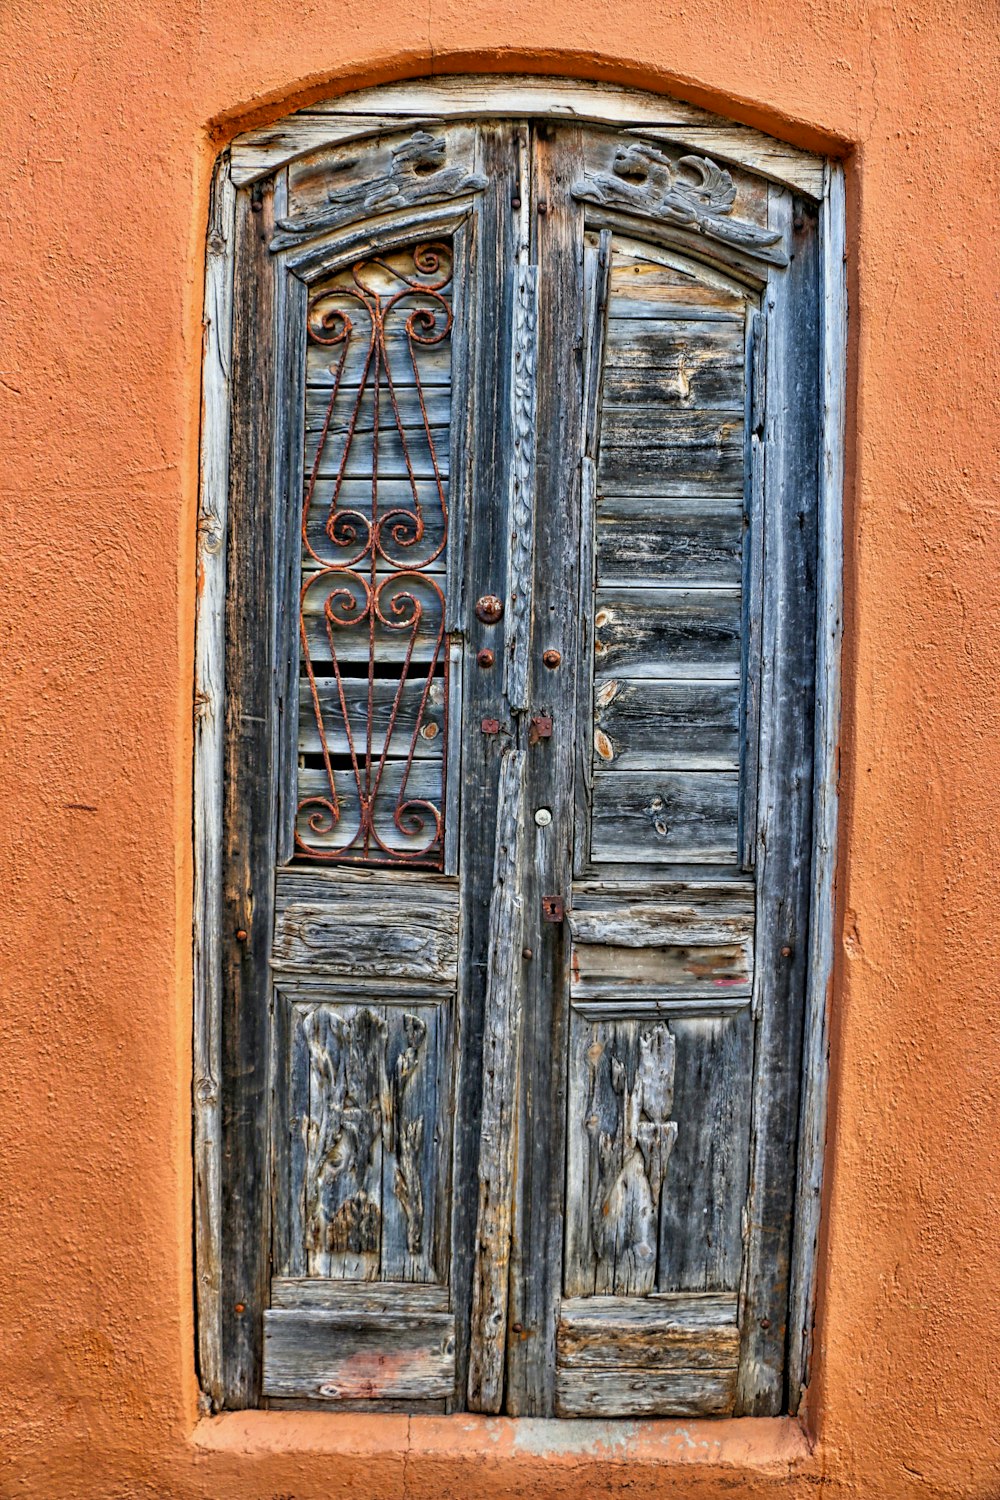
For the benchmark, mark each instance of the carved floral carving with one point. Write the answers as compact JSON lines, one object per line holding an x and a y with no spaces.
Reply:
{"x":692,"y":192}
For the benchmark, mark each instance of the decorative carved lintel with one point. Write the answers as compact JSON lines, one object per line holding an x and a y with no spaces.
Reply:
{"x":691,"y":193}
{"x":418,"y":170}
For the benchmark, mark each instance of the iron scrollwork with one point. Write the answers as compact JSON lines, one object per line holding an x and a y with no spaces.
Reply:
{"x":369,"y":595}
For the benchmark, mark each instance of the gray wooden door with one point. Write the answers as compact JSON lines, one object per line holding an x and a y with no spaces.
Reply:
{"x":518,"y":774}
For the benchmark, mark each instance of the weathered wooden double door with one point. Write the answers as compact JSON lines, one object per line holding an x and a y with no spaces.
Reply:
{"x":518,"y":769}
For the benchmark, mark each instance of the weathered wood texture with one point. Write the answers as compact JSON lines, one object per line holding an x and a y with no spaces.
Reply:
{"x":396,"y":1297}
{"x":481,"y":512}
{"x":209,"y":711}
{"x":524,"y":382}
{"x":341,"y":924}
{"x":248,"y":770}
{"x":645,"y":1393}
{"x":785,"y":811}
{"x":669,"y":552}
{"x":650,"y":1067}
{"x":340,"y":185}
{"x":501,"y":1080}
{"x":655,"y":1333}
{"x":536,"y":1260}
{"x":366,"y":1188}
{"x":638,"y":1221}
{"x":629,"y":945}
{"x":661,"y":183}
{"x":829,"y":614}
{"x":354,"y":1356}
{"x":355,"y":116}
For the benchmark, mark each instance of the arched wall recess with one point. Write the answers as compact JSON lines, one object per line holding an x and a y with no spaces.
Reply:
{"x":518,"y":654}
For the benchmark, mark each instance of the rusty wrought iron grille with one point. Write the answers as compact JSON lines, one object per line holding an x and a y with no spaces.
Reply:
{"x":373,"y":706}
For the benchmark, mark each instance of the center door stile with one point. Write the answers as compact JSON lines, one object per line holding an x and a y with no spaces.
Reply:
{"x":536,"y":1259}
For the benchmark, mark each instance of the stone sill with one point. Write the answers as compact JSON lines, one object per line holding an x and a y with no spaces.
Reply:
{"x":757,"y":1447}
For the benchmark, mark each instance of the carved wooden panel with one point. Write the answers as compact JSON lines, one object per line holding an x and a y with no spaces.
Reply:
{"x":680,"y":189}
{"x":402,"y":170}
{"x":366,"y":1189}
{"x":658,"y":1152}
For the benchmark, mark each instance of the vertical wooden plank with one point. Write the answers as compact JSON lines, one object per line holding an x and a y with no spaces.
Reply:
{"x":411,"y":1181}
{"x":501,"y":1078}
{"x":487,"y":337}
{"x":522,"y":485}
{"x":596,"y":294}
{"x":829,"y":613}
{"x":753,"y":584}
{"x":784,"y":841}
{"x":209,"y":707}
{"x":536,"y":1261}
{"x":248,"y":846}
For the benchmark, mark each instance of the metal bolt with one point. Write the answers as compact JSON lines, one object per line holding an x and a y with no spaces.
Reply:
{"x":485,"y":658}
{"x":241,"y":935}
{"x":551,"y":658}
{"x":527,"y":953}
{"x":543,"y":817}
{"x":543,"y":205}
{"x":489,"y":609}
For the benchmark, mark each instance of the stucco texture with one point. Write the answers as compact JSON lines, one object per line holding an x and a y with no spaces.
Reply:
{"x":112,"y":116}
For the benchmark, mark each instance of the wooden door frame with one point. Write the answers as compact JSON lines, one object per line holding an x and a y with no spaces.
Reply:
{"x":257,"y":154}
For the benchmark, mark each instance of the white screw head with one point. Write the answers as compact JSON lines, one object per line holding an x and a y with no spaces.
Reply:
{"x":543,"y":817}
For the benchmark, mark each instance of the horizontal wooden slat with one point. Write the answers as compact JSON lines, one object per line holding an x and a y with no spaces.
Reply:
{"x":431,"y":361}
{"x":649,"y":1333}
{"x":384,"y":691}
{"x":601,"y":971}
{"x":646,"y":450}
{"x":645,"y":1393}
{"x":506,"y":95}
{"x":667,"y":633}
{"x":643,"y":288}
{"x":349,"y":409}
{"x":669,"y":540}
{"x":397,"y":1297}
{"x":399,"y":453}
{"x":685,"y":726}
{"x":641,"y":916}
{"x":665,"y":816}
{"x":337,"y":924}
{"x":692,"y":364}
{"x":351,"y":639}
{"x":261,"y":150}
{"x":424,"y":786}
{"x":353,"y":1356}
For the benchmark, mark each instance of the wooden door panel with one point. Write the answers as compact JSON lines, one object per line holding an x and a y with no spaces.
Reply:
{"x":330,"y":923}
{"x":366,"y":1102}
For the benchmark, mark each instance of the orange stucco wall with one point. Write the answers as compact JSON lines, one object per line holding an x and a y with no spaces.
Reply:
{"x":112,"y":114}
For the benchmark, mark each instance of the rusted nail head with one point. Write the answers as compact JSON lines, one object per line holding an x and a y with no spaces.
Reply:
{"x":551,"y":658}
{"x":241,"y":935}
{"x":485,"y":658}
{"x":489,"y":609}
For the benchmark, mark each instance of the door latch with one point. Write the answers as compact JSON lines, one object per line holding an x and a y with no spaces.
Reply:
{"x":553,"y":908}
{"x":540,"y":728}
